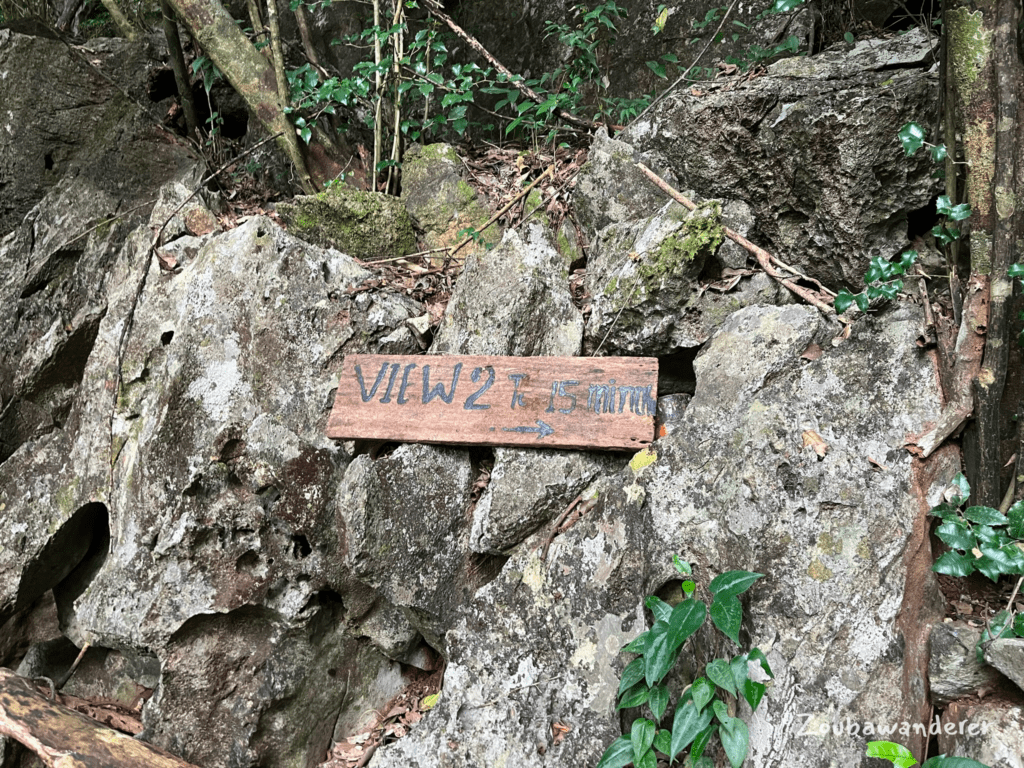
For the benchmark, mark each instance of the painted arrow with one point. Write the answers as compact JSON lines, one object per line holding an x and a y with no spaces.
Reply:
{"x":542,"y":429}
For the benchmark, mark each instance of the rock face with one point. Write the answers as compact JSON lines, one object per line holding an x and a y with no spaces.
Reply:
{"x":164,"y":473}
{"x":810,"y":150}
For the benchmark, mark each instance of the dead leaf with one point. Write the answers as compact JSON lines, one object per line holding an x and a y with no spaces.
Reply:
{"x":813,"y":439}
{"x":558,"y":731}
{"x":878,"y":464}
{"x":167,"y":262}
{"x":843,"y":336}
{"x":813,"y":352}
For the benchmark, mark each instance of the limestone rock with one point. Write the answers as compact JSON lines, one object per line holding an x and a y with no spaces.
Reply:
{"x":953,"y":669}
{"x":809,"y":152}
{"x":366,"y":225}
{"x":1007,"y":655}
{"x":439,"y":200}
{"x":992,"y":734}
{"x":513,"y":300}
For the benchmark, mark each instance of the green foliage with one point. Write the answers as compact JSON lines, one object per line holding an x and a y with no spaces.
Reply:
{"x":882,"y":281}
{"x":901,"y":757}
{"x":980,"y":538}
{"x":702,"y":711}
{"x":1017,"y":271}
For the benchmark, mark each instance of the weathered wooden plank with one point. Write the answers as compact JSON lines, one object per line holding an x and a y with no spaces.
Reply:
{"x":541,"y":402}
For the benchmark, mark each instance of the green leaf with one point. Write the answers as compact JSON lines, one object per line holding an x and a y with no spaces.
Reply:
{"x":941,"y":761}
{"x":911,"y":136}
{"x":738,"y":667}
{"x":688,"y":587}
{"x":961,"y":489}
{"x":701,"y":742}
{"x":989,"y":567}
{"x":753,"y":692}
{"x":1015,"y":515}
{"x":661,"y":610}
{"x":687,"y":725}
{"x":733,"y":583}
{"x":702,"y":691}
{"x":960,"y":212}
{"x":306,"y":134}
{"x":944,"y":511}
{"x":897,"y":754}
{"x":682,"y":566}
{"x":954,"y":564}
{"x":640,"y":643}
{"x":1016,"y":270}
{"x":862,"y":302}
{"x":955,"y":534}
{"x":661,"y":655}
{"x":687,"y":618}
{"x":632,"y":674}
{"x":658,"y":701}
{"x":938,"y":153}
{"x":843,"y":301}
{"x":735,"y":740}
{"x":721,"y":675}
{"x":848,"y":37}
{"x":727,"y":615}
{"x":618,"y":755}
{"x":756,"y":654}
{"x":1018,"y":625}
{"x":1000,"y":624}
{"x":641,"y":735}
{"x":649,"y":760}
{"x":635,"y":696}
{"x":985,"y":516}
{"x":784,"y":6}
{"x":663,"y":741}
{"x":658,"y":68}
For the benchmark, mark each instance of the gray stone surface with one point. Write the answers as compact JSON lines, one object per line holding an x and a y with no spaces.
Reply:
{"x":991,"y":733}
{"x":513,"y":300}
{"x":810,"y":149}
{"x":954,"y":671}
{"x":1007,"y":655}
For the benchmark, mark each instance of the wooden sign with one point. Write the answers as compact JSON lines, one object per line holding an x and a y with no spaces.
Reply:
{"x":541,"y":402}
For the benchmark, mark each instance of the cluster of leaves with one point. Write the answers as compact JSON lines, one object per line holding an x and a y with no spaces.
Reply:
{"x":882,"y":281}
{"x":754,"y":54}
{"x":980,"y":538}
{"x":901,"y":757}
{"x":912,"y":138}
{"x":703,"y":708}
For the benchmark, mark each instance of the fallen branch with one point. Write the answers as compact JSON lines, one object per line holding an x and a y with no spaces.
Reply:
{"x":436,"y":9}
{"x":764,"y":258}
{"x":63,"y":738}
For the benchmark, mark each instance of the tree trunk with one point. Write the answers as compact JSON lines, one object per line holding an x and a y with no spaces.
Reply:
{"x":181,"y":78}
{"x":251,"y":75}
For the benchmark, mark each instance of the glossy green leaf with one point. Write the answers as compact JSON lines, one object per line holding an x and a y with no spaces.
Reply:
{"x":658,"y":68}
{"x":992,"y":569}
{"x":1018,"y":625}
{"x":658,"y":701}
{"x":938,"y":153}
{"x":687,"y":618}
{"x":688,"y":587}
{"x":897,"y":754}
{"x":944,"y":511}
{"x":635,"y":696}
{"x":701,"y":742}
{"x":687,"y":725}
{"x":733,"y":583}
{"x":843,"y":301}
{"x":640,"y":643}
{"x":702,"y":691}
{"x":735,"y":740}
{"x":1016,"y":270}
{"x":641,"y":735}
{"x":862,"y":302}
{"x":848,"y":37}
{"x":618,"y":755}
{"x":753,"y":692}
{"x":727,"y":615}
{"x":785,"y":6}
{"x":661,"y":654}
{"x":941,"y":761}
{"x":682,"y":566}
{"x":911,"y":137}
{"x":955,"y":533}
{"x":631,"y":675}
{"x":663,"y":741}
{"x":720,"y":674}
{"x":960,"y":488}
{"x":954,"y":564}
{"x":756,"y":654}
{"x":649,"y":760}
{"x":661,"y":610}
{"x":738,"y":667}
{"x":985,"y":516}
{"x":960,"y":212}
{"x":1015,"y":515}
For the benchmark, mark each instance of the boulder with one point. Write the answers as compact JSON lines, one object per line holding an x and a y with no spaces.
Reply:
{"x":366,"y":225}
{"x":954,"y":671}
{"x":811,"y":150}
{"x":990,"y":733}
